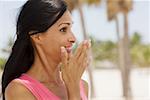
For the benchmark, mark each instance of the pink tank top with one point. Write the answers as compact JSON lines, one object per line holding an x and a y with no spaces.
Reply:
{"x":40,"y":91}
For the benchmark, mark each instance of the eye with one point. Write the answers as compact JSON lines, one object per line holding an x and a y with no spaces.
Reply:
{"x":64,"y":29}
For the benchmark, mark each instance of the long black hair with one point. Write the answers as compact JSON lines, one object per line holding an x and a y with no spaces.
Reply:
{"x":35,"y":16}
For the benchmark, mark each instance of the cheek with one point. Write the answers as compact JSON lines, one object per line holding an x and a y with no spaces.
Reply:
{"x":53,"y":43}
{"x":52,"y":48}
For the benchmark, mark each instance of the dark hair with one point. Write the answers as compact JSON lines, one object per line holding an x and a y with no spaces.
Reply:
{"x":35,"y":16}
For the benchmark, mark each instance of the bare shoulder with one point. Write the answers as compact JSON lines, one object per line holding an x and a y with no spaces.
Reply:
{"x":16,"y":91}
{"x":86,"y":87}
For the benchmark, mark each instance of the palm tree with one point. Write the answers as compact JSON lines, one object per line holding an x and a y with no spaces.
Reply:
{"x":78,"y":4}
{"x":114,"y":7}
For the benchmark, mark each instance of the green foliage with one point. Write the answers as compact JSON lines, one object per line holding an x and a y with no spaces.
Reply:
{"x":7,"y":51}
{"x":2,"y":63}
{"x":136,"y":39}
{"x":108,"y":50}
{"x":140,"y":53}
{"x":104,"y":50}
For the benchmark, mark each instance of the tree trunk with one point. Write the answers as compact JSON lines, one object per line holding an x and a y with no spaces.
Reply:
{"x":117,"y":28}
{"x":82,"y":20}
{"x":90,"y":70}
{"x":126,"y":63}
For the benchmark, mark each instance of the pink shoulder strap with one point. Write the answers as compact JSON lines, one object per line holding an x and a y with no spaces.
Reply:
{"x":29,"y":87}
{"x":36,"y":88}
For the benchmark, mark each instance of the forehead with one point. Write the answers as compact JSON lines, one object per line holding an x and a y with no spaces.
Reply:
{"x":66,"y":17}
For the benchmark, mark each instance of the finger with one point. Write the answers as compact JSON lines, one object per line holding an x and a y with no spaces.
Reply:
{"x":64,"y":56}
{"x":83,"y":67}
{"x":88,"y":61}
{"x":85,"y":51}
{"x":85,"y":64}
{"x":79,"y":49}
{"x":85,"y":61}
{"x":59,"y":66}
{"x":83,"y":54}
{"x":70,"y":55}
{"x":58,"y":74}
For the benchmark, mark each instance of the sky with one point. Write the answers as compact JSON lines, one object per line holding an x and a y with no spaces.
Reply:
{"x":96,"y":21}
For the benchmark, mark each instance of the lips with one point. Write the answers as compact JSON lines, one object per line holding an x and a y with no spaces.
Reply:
{"x":68,"y":48}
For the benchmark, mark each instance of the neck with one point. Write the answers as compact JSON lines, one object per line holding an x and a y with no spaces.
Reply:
{"x":44,"y":69}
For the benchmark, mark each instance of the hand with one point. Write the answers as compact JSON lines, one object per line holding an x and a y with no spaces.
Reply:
{"x":73,"y":65}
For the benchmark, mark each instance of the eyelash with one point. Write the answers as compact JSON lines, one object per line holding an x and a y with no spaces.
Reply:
{"x":64,"y":29}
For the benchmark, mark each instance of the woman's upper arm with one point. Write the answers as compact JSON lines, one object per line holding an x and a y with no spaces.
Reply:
{"x":16,"y":91}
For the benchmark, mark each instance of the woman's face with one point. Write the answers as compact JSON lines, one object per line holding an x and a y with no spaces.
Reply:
{"x":59,"y":34}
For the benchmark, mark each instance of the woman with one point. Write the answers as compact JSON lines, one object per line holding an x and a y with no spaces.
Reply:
{"x":41,"y":65}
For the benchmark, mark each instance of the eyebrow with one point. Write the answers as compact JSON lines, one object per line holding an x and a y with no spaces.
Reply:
{"x":66,"y":23}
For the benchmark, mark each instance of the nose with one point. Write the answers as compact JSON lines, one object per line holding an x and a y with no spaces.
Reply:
{"x":72,"y":38}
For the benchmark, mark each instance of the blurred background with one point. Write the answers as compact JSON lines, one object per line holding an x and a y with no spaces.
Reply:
{"x":120,"y":34}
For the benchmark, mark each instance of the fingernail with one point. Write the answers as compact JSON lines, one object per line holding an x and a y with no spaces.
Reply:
{"x":62,"y":49}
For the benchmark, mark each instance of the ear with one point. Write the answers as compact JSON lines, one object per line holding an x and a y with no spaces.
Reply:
{"x":36,"y":38}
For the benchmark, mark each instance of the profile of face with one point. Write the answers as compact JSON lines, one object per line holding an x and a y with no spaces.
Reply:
{"x":58,"y":35}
